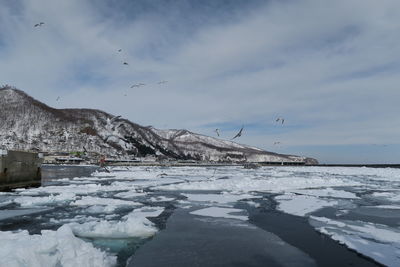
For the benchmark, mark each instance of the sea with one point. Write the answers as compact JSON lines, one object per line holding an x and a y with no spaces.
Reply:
{"x":204,"y":216}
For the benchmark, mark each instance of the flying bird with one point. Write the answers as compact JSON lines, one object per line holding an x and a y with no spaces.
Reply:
{"x":125,"y":63}
{"x":162,"y":82}
{"x":239,"y":134}
{"x":138,"y":85}
{"x":277,"y":143}
{"x":217,"y":131}
{"x":119,"y":50}
{"x":58,"y":98}
{"x":280,"y":119}
{"x":39,"y":24}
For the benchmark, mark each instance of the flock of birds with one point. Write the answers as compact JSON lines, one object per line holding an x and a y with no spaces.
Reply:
{"x":239,"y":134}
{"x":137,"y":85}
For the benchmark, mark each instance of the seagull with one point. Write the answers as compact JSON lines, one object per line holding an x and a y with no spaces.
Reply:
{"x":162,"y":82}
{"x":239,"y":134}
{"x":277,"y":143}
{"x":125,"y":63}
{"x":84,"y":149}
{"x":119,"y":50}
{"x":39,"y":24}
{"x":58,"y":98}
{"x":138,"y":85}
{"x":217,"y":131}
{"x":280,"y":119}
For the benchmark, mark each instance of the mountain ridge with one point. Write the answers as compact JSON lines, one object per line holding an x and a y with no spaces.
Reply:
{"x":29,"y":124}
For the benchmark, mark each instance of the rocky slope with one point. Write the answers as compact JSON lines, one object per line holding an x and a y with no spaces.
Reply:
{"x":28,"y":124}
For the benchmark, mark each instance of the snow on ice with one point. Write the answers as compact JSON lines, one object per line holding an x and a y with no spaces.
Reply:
{"x":50,"y":248}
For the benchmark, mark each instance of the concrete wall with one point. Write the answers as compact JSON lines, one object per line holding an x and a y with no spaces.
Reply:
{"x":19,"y":169}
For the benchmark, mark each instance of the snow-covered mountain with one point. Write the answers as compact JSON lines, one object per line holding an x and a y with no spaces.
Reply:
{"x":28,"y":124}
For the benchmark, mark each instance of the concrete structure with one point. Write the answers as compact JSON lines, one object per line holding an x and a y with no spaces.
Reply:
{"x":19,"y":169}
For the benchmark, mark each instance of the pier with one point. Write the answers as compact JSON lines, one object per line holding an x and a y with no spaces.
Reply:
{"x":19,"y":169}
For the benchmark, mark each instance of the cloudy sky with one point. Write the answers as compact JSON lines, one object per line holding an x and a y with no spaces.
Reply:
{"x":330,"y":68}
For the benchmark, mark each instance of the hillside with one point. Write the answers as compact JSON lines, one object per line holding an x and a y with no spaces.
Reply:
{"x":31,"y":125}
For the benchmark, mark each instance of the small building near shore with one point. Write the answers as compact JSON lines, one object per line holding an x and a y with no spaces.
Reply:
{"x":19,"y":169}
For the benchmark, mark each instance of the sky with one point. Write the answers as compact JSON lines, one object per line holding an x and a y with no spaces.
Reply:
{"x":329,"y":68}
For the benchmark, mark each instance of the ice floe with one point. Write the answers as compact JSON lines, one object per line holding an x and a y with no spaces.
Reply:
{"x":130,"y":194}
{"x":248,"y":184}
{"x":7,"y":214}
{"x":223,"y":197}
{"x":50,"y":248}
{"x":390,"y":207}
{"x":221,"y":213}
{"x":134,"y":224}
{"x":326,"y":192}
{"x":301,"y":205}
{"x":89,"y":200}
{"x":47,"y":200}
{"x":380,"y":174}
{"x":389,"y":196}
{"x":379,"y":242}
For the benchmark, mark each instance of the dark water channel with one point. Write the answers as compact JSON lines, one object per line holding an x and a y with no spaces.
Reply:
{"x":269,"y":238}
{"x":51,"y":173}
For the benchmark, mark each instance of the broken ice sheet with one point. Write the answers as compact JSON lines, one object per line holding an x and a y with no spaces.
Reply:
{"x":379,"y":242}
